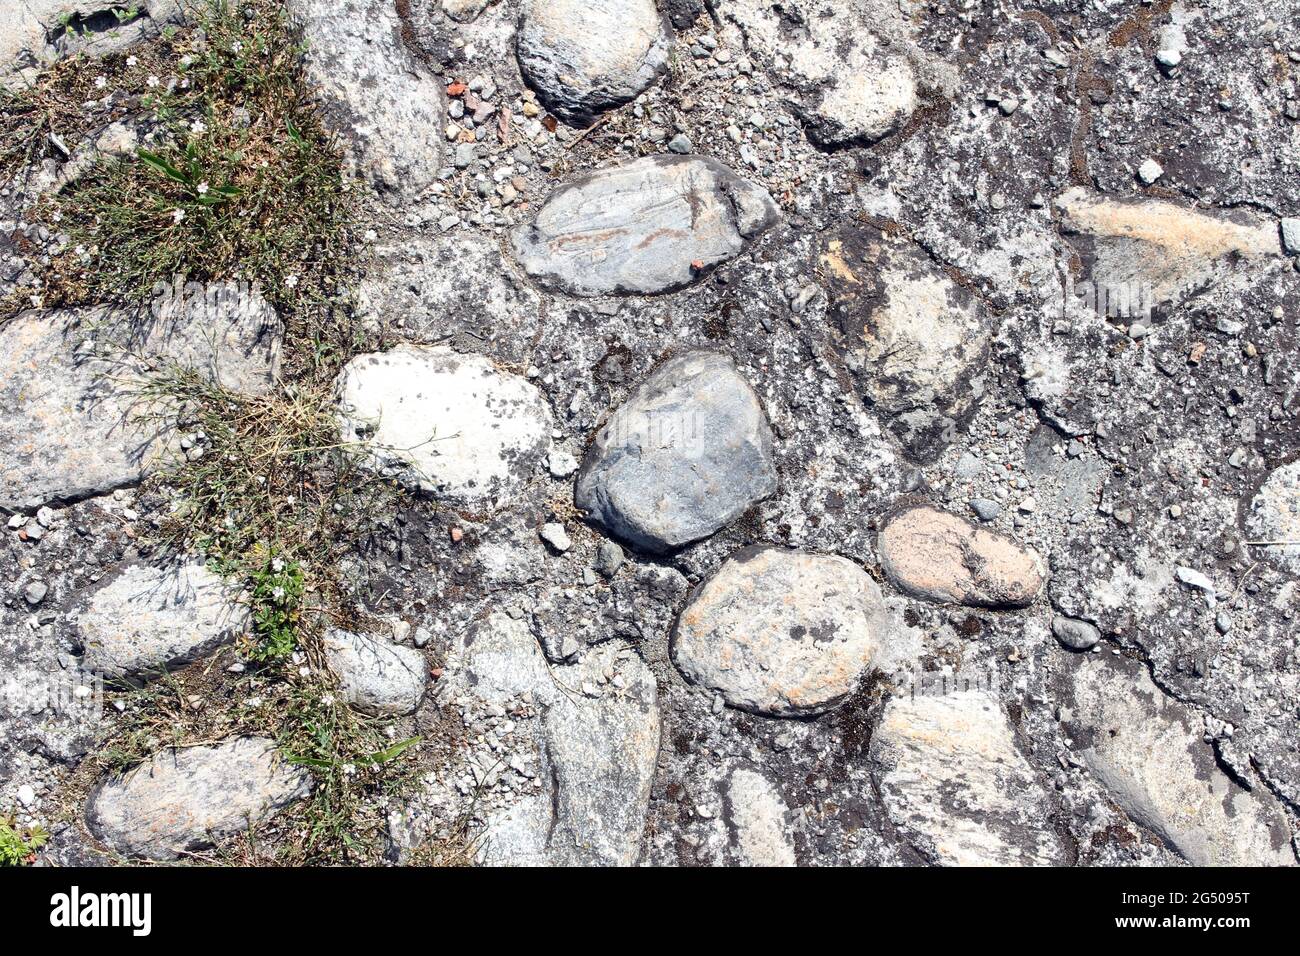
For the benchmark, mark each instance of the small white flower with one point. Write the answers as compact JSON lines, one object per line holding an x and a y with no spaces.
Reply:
{"x":132,"y":60}
{"x":186,"y":60}
{"x":198,"y":126}
{"x":178,"y":215}
{"x":349,"y":770}
{"x":277,"y":565}
{"x":327,"y":700}
{"x":202,"y":188}
{"x":151,"y":82}
{"x":277,"y":594}
{"x":290,"y":281}
{"x":101,"y":82}
{"x":236,"y":46}
{"x":371,"y":235}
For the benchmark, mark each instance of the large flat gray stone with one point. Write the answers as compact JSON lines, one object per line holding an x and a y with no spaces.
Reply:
{"x":686,"y":454}
{"x":1148,"y":751}
{"x":652,"y":225}
{"x":75,"y":422}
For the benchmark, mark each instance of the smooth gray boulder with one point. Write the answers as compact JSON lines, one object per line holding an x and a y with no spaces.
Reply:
{"x":375,"y":676}
{"x":145,"y":620}
{"x":956,"y":786}
{"x":1148,"y":750}
{"x":587,"y":56}
{"x":76,"y":421}
{"x":686,"y":454}
{"x":651,"y":225}
{"x":375,"y":94}
{"x":189,"y":799}
{"x":443,"y":423}
{"x":781,"y":633}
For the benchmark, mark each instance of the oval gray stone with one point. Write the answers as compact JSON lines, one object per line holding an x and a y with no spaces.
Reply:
{"x":782,"y":633}
{"x":685,"y":455}
{"x":148,"y":619}
{"x":586,"y":56}
{"x":1075,"y":634}
{"x":190,"y":799}
{"x":376,"y":677}
{"x":652,"y":225}
{"x":443,"y":423}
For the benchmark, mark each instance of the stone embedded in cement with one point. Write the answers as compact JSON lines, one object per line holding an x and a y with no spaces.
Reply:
{"x":686,"y":454}
{"x":652,"y":225}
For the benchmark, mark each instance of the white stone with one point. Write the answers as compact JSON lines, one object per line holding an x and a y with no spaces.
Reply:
{"x":1150,"y":171}
{"x":447,"y":424}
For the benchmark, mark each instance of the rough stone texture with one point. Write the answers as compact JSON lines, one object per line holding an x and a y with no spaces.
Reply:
{"x":1274,"y":517}
{"x":937,"y":556}
{"x":464,"y":11}
{"x":225,"y":331}
{"x":855,"y":77}
{"x":39,"y":32}
{"x":652,"y":225}
{"x":955,"y":784}
{"x":594,"y":744}
{"x":1156,"y":253}
{"x":190,"y":799}
{"x":686,"y":454}
{"x":76,"y":424}
{"x":375,"y":93}
{"x":376,"y":677}
{"x":587,"y":56}
{"x":760,"y":818}
{"x":444,"y":423}
{"x":915,"y":340}
{"x":148,"y":619}
{"x":780,"y":632}
{"x":1147,"y":750}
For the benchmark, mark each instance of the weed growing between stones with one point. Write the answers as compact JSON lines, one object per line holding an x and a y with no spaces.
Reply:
{"x":234,"y":178}
{"x":18,"y":846}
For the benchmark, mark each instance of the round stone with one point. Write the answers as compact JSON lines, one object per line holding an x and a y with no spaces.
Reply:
{"x":447,"y":424}
{"x":782,"y":633}
{"x":1074,"y":634}
{"x":586,"y":56}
